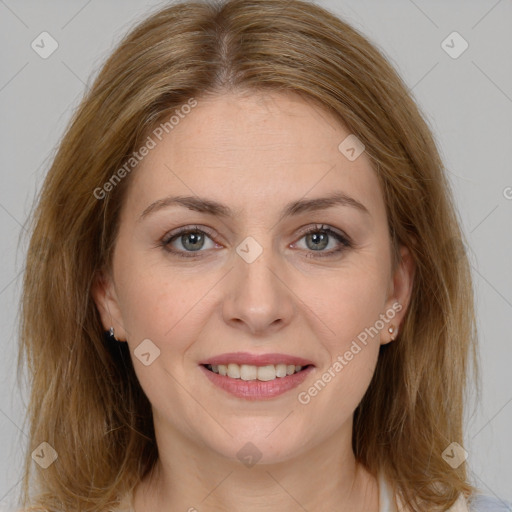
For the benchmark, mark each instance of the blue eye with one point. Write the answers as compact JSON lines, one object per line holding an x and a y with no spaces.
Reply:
{"x":193,"y":239}
{"x":318,"y":239}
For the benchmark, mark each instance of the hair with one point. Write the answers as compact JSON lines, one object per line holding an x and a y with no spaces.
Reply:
{"x":85,"y":399}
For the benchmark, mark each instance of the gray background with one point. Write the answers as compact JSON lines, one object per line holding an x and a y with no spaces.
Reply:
{"x":467,"y":102}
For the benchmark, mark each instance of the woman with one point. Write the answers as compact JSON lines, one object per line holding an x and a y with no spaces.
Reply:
{"x":250,"y":204}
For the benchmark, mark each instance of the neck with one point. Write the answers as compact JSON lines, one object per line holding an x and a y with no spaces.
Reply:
{"x":192,"y":478}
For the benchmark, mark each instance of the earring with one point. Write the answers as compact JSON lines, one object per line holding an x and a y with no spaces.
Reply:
{"x":391,"y":331}
{"x":111,"y":334}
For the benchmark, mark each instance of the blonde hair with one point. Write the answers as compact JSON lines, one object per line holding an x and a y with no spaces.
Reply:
{"x":85,"y":399}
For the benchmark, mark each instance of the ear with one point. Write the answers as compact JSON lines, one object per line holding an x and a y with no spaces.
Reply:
{"x":399,"y":294}
{"x":105,"y":297}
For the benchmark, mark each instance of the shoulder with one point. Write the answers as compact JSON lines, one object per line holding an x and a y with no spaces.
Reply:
{"x":482,"y":503}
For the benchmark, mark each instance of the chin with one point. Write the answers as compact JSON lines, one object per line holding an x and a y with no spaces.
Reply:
{"x":259,"y":448}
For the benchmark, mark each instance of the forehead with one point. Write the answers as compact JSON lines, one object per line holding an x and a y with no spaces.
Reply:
{"x":253,"y":151}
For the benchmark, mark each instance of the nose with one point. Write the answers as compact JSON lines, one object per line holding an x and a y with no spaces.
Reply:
{"x":258,"y":297}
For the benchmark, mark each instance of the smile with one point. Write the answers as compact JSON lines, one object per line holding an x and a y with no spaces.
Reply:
{"x":249,"y":372}
{"x":255,"y":382}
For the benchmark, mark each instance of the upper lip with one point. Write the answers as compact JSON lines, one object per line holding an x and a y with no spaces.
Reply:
{"x":256,"y":359}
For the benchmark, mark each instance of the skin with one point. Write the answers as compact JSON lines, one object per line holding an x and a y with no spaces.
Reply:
{"x":255,"y":153}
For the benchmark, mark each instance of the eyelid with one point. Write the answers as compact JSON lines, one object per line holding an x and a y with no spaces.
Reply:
{"x":325,"y":227}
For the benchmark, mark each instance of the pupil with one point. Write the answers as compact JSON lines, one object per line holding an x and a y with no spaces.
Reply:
{"x":196,"y":238}
{"x":318,"y":239}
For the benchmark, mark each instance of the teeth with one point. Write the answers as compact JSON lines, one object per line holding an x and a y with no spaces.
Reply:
{"x":267,"y":372}
{"x":233,"y":371}
{"x":281,"y":370}
{"x":250,"y":372}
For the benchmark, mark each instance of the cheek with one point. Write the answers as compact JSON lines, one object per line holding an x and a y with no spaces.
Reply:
{"x":351,"y":309}
{"x":350,"y":305}
{"x":156,"y":300}
{"x":348,"y":301}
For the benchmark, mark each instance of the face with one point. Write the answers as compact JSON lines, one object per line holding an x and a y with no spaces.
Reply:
{"x":254,"y":271}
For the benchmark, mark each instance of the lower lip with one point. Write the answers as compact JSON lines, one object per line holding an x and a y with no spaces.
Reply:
{"x":257,"y":389}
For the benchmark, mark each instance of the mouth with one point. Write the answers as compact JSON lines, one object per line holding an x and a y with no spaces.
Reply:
{"x":248,"y":373}
{"x":256,"y":377}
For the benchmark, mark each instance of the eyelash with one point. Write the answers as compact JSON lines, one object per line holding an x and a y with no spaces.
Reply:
{"x":170,"y":237}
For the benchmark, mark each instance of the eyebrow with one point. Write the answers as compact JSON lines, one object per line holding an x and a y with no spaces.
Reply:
{"x":211,"y":207}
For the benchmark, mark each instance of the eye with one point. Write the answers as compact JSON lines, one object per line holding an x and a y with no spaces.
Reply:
{"x":318,"y":238}
{"x":188,"y":240}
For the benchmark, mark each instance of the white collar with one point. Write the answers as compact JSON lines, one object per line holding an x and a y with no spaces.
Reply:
{"x":386,"y":502}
